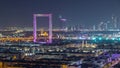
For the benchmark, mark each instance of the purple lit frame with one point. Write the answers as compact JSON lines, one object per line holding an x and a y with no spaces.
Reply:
{"x":35,"y":26}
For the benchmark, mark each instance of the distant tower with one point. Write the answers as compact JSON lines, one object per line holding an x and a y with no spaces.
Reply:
{"x":100,"y":26}
{"x":114,"y":21}
{"x":94,"y":28}
{"x":106,"y":26}
{"x":83,"y":43}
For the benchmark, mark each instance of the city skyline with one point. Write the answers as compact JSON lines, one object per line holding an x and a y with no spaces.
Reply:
{"x":60,"y":34}
{"x":80,"y":12}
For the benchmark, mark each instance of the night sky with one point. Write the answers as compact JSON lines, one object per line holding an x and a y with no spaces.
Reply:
{"x":77,"y":12}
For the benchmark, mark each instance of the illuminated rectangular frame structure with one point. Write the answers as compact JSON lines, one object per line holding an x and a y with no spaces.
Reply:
{"x":35,"y":26}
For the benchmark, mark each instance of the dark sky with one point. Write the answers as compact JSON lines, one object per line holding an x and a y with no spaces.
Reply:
{"x":77,"y":12}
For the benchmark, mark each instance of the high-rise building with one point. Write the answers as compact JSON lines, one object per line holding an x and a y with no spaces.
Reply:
{"x":114,"y":22}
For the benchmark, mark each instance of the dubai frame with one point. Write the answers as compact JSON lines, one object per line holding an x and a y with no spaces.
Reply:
{"x":35,"y":26}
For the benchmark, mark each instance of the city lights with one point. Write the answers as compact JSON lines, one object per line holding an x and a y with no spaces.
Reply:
{"x":60,"y":34}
